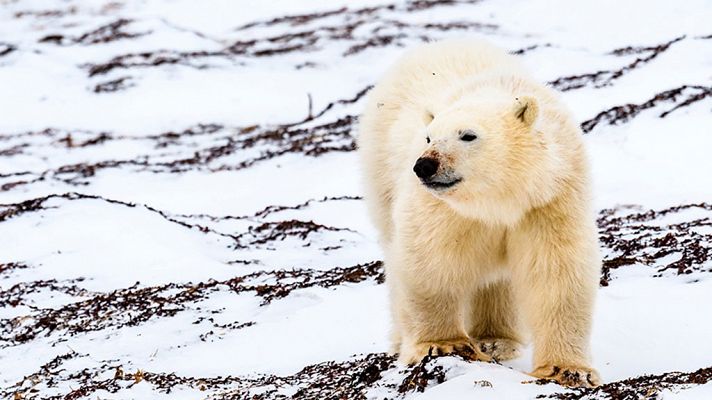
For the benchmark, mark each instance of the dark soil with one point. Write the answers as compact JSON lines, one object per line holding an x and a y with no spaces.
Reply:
{"x":682,"y":96}
{"x":603,"y":78}
{"x":640,"y":238}
{"x":647,"y":387}
{"x":359,"y":29}
{"x":138,"y":304}
{"x":104,"y":34}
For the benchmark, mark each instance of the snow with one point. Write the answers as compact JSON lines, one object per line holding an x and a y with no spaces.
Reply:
{"x":165,"y":192}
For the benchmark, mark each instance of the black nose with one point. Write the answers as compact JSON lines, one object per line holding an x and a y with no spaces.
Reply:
{"x":425,"y":167}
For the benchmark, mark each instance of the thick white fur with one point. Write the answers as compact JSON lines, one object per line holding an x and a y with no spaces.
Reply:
{"x":516,"y":237}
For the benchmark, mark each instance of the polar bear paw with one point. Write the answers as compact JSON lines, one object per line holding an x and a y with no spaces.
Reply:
{"x":499,"y":349}
{"x":570,"y":376}
{"x":413,"y":354}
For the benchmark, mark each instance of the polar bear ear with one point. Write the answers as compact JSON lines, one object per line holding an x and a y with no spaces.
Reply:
{"x":526,"y":110}
{"x":428,"y":117}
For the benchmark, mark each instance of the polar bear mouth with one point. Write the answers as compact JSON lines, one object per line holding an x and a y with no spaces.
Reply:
{"x":440,"y":184}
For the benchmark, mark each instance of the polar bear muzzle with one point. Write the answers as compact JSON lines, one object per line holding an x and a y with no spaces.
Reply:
{"x":429,"y":170}
{"x":426,"y":167}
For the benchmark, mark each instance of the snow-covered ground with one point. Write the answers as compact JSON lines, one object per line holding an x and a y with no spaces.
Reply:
{"x":180,"y":210}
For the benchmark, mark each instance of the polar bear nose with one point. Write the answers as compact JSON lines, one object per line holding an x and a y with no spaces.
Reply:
{"x":425,"y":167}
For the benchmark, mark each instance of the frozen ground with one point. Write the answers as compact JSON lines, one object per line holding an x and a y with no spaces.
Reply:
{"x":180,"y":208}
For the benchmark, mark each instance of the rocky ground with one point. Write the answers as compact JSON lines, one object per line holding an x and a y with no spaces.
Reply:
{"x":181,"y":213}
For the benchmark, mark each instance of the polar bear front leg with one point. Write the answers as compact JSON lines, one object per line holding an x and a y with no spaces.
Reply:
{"x":493,"y":321}
{"x":556,"y":280}
{"x":433,"y":324}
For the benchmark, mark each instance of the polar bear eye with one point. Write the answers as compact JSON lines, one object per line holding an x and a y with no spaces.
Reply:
{"x":427,"y":139}
{"x":468,"y":136}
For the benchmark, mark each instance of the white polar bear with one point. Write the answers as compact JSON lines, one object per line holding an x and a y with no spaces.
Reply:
{"x":477,"y":179}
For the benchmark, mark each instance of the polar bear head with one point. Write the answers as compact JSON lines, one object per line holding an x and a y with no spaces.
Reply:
{"x":485,"y":158}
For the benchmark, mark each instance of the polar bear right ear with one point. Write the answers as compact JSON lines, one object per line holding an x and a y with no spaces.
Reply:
{"x":428,"y":117}
{"x":526,"y":110}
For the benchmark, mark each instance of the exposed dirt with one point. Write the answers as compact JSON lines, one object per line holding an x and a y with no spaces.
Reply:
{"x":212,"y":143}
{"x":137,"y":304}
{"x":643,"y":238}
{"x":682,"y":96}
{"x":6,"y":48}
{"x":48,"y":13}
{"x":258,"y":234}
{"x":421,"y":376}
{"x":104,"y":34}
{"x":525,"y":50}
{"x":641,"y":387}
{"x":6,"y":269}
{"x":113,"y":85}
{"x":358,"y":29}
{"x":603,"y":78}
{"x":349,"y":379}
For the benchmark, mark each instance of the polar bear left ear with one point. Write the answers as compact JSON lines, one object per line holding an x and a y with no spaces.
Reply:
{"x":526,"y":110}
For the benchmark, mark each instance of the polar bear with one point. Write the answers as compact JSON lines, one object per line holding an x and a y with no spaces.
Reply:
{"x":477,"y":179}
